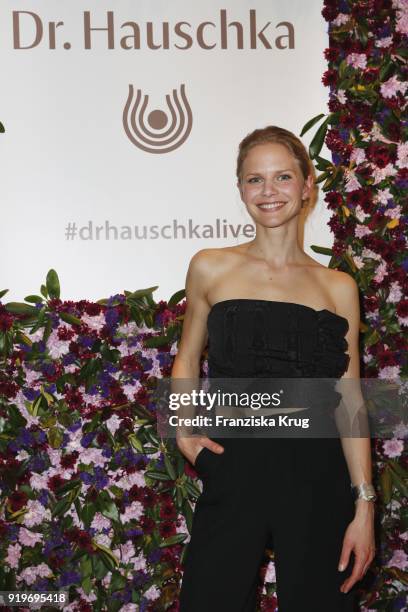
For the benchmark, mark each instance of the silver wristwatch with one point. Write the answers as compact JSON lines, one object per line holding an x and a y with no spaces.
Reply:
{"x":363,"y":491}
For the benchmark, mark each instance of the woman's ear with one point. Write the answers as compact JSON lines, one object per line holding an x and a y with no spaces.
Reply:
{"x":239,"y":188}
{"x":307,"y":187}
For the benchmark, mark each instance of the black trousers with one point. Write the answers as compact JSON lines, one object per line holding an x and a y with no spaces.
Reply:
{"x":289,"y":494}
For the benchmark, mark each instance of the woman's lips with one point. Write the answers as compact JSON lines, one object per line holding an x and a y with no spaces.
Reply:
{"x":271,"y":206}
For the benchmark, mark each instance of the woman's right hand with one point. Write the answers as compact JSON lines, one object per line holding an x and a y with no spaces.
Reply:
{"x":190,"y":446}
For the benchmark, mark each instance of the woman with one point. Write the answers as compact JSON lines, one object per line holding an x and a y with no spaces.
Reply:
{"x":273,"y":310}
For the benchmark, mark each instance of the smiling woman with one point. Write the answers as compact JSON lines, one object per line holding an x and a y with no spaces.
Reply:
{"x":304,"y":324}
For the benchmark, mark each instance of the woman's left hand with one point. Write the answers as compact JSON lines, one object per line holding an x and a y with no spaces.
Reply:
{"x":359,"y":538}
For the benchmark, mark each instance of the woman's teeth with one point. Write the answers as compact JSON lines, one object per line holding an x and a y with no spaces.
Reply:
{"x":271,"y":206}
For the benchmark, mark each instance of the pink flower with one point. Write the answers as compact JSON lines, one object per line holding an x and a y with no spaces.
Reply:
{"x":13,"y":555}
{"x":132,"y":512}
{"x":380,"y":174}
{"x":113,"y":423}
{"x":402,"y":155}
{"x":394,"y":213}
{"x":389,"y":373}
{"x":402,"y":19}
{"x":391,"y":87}
{"x":99,"y":522}
{"x":139,"y":562}
{"x":39,"y":481}
{"x":357,"y":60}
{"x":383,"y":42}
{"x":358,"y":156}
{"x":395,"y":293}
{"x":341,"y":19}
{"x":381,"y":272}
{"x":152,"y":593}
{"x":31,"y":573}
{"x":36,"y":514}
{"x":29,"y":538}
{"x":399,"y":559}
{"x":383,"y":195}
{"x":270,"y":575}
{"x":393,"y":448}
{"x":361,"y":230}
{"x":125,"y":552}
{"x":352,"y":183}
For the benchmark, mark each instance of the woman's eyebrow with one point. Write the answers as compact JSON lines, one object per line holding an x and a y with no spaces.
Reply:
{"x":276,"y":171}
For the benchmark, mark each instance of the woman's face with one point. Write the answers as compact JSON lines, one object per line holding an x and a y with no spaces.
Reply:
{"x":272,"y":185}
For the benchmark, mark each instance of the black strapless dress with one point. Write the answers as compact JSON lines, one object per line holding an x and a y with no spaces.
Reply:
{"x":290,"y":494}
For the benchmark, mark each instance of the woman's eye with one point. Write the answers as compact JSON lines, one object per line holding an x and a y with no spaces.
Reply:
{"x":254,"y":178}
{"x":288,"y":175}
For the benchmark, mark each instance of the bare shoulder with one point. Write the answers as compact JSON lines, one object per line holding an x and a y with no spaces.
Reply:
{"x":345,"y":295}
{"x":341,"y":284}
{"x":212,"y":261}
{"x":205,"y":267}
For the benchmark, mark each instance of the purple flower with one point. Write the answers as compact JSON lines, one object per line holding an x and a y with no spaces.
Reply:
{"x":68,"y":578}
{"x":75,"y":426}
{"x":30,"y":394}
{"x":43,"y":498}
{"x":154,"y":556}
{"x":87,"y":439}
{"x":86,"y":478}
{"x":111,"y":317}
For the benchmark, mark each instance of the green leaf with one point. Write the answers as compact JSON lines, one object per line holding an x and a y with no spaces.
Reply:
{"x":155,"y":341}
{"x":322,"y":177}
{"x":371,"y":337}
{"x":72,"y":484}
{"x":105,"y":551}
{"x":99,"y":568}
{"x":19,"y":308}
{"x":321,"y":250}
{"x":402,"y":51}
{"x":33,"y":298}
{"x":318,"y":140}
{"x":43,"y":291}
{"x":169,"y":467}
{"x":87,"y":514}
{"x":398,"y":468}
{"x":174,"y":539}
{"x":86,"y":566}
{"x":386,"y":485}
{"x":143,"y":292}
{"x":61,"y":507}
{"x":176,"y":297}
{"x":3,"y":292}
{"x":87,"y":585}
{"x":157,"y":475}
{"x":69,"y":318}
{"x":55,"y":437}
{"x":386,"y":70}
{"x":136,"y":443}
{"x":52,"y":283}
{"x":2,"y":128}
{"x":117,"y":582}
{"x":309,"y":124}
{"x":110,"y":511}
{"x":399,"y":484}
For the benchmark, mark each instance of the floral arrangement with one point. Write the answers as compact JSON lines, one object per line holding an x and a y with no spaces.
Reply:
{"x":92,"y":501}
{"x":365,"y":185}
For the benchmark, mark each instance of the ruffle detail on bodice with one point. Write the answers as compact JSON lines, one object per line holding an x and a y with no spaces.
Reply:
{"x":263,"y":338}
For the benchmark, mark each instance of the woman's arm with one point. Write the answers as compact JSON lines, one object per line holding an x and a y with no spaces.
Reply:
{"x":192,"y":343}
{"x":357,"y":450}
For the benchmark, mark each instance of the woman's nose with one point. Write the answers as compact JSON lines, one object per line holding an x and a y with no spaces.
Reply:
{"x":269,"y":187}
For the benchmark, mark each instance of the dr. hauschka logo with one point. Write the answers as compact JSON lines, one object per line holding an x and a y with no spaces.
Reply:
{"x":146,"y":132}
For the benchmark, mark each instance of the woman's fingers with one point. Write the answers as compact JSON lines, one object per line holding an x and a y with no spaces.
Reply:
{"x":360,"y":561}
{"x":345,"y":556}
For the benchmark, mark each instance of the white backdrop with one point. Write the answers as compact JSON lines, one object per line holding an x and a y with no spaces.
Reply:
{"x":66,"y":157}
